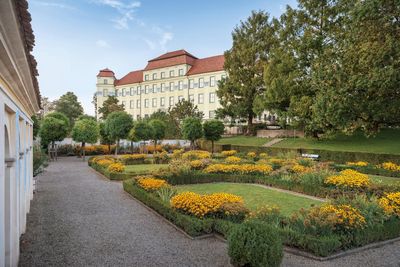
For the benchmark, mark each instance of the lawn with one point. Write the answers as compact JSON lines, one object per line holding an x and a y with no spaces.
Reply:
{"x":143,"y":168}
{"x":384,"y":180}
{"x":255,"y":196}
{"x":387,"y":141}
{"x":243,"y":140}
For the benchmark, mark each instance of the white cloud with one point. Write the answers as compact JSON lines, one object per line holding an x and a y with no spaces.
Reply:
{"x":54,"y":4}
{"x":102,"y":44}
{"x":150,"y":44}
{"x":164,"y":36}
{"x":126,"y":12}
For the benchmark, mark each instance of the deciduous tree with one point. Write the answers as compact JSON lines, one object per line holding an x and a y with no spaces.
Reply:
{"x":192,"y":130}
{"x":69,"y":105}
{"x":213,"y":131}
{"x":118,"y":125}
{"x":158,"y":131}
{"x":110,"y":105}
{"x":85,"y":131}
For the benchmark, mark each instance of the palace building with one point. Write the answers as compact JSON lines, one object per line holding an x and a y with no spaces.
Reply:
{"x":165,"y":80}
{"x":19,"y":100}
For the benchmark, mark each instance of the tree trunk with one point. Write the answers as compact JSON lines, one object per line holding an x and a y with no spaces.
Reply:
{"x":212,"y":147}
{"x":155,"y":146}
{"x":83,"y":150}
{"x":131,"y":147}
{"x":249,"y":124}
{"x":109,"y":148}
{"x":116,"y":148}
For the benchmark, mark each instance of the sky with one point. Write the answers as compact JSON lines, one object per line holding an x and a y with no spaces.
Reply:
{"x":77,"y":38}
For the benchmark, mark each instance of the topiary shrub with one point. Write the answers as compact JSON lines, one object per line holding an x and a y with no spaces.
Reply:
{"x":255,"y":243}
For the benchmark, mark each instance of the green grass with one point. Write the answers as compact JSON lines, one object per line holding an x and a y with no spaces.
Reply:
{"x":384,"y":180}
{"x":243,"y":140}
{"x":387,"y":141}
{"x":254,"y":196}
{"x":143,"y":168}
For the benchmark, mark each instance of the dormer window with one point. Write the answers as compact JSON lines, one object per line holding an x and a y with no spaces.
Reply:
{"x":105,"y":81}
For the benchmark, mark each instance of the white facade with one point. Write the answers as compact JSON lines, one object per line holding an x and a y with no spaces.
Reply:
{"x":19,"y":100}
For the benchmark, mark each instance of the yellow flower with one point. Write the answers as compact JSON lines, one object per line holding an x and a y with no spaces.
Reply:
{"x":232,"y":159}
{"x":263,"y":155}
{"x":150,"y":183}
{"x":104,"y":162}
{"x":349,"y":178}
{"x":337,"y":216}
{"x":390,"y":166}
{"x":390,"y":203}
{"x":358,"y":163}
{"x":236,"y":168}
{"x":196,"y":154}
{"x":116,"y":167}
{"x":228,"y":153}
{"x":201,"y":205}
{"x":297,"y":168}
{"x":134,"y":156}
{"x":252,"y":155}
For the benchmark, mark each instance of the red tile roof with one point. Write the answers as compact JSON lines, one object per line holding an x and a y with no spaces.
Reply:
{"x":131,"y":77}
{"x":209,"y":64}
{"x":106,"y":73}
{"x":171,"y":59}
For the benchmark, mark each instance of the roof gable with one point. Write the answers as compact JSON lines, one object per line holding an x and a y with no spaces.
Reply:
{"x":131,"y":77}
{"x":209,"y":64}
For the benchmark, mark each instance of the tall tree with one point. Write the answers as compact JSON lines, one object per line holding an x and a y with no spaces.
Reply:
{"x":85,"y":131}
{"x":118,"y":125}
{"x":158,"y":131}
{"x":143,"y":131}
{"x":54,"y":127}
{"x":184,"y":109}
{"x":36,"y":126}
{"x":213,"y":131}
{"x":105,"y":137}
{"x":192,"y":130}
{"x":172,"y":131}
{"x":70,"y":106}
{"x":244,"y":63}
{"x":109,"y":106}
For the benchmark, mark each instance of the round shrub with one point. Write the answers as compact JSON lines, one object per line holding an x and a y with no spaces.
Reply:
{"x":255,"y":243}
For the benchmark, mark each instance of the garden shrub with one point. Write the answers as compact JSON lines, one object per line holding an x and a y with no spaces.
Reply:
{"x":131,"y":159}
{"x":349,"y":179}
{"x":238,"y":168}
{"x":116,"y":167}
{"x":149,"y":183}
{"x":39,"y":160}
{"x":255,"y":243}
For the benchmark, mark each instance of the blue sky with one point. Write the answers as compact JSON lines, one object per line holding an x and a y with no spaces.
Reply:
{"x":74,"y":39}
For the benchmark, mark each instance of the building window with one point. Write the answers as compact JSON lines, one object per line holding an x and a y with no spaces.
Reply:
{"x":123,"y":91}
{"x":171,"y":73}
{"x":200,"y":98}
{"x":191,"y":84}
{"x":154,"y":76}
{"x":223,"y":76}
{"x":171,"y":101}
{"x":162,"y":75}
{"x":146,"y":103}
{"x":162,"y":87}
{"x":162,"y":101}
{"x":146,"y":77}
{"x":180,"y":72}
{"x":105,"y":92}
{"x":154,"y":102}
{"x":105,"y":81}
{"x":131,"y":103}
{"x":212,"y":97}
{"x":146,"y":89}
{"x":191,"y":98}
{"x":154,"y":88}
{"x":201,"y":82}
{"x":180,"y":85}
{"x":211,"y":114}
{"x":138,"y":103}
{"x":138,"y":90}
{"x":171,"y":86}
{"x":212,"y":81}
{"x":116,"y":92}
{"x":132,"y":91}
{"x":181,"y":98}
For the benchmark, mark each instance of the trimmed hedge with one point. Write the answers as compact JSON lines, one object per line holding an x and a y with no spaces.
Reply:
{"x":191,"y":225}
{"x":325,"y":155}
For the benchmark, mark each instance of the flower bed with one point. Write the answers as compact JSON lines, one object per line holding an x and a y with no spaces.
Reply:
{"x":389,"y":169}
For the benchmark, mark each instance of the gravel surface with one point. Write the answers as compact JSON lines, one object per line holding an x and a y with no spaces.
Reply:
{"x":78,"y":218}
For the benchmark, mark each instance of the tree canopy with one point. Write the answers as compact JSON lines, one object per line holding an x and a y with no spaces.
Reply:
{"x":69,"y":105}
{"x":118,"y":125}
{"x":213,"y":131}
{"x":85,"y":131}
{"x":110,"y":105}
{"x":192,"y":129}
{"x":158,"y":130}
{"x":54,"y":127}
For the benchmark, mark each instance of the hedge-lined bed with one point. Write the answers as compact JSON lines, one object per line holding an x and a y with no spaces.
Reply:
{"x":317,"y":245}
{"x":369,"y":169}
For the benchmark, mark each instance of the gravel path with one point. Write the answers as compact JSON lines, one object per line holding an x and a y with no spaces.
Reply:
{"x":78,"y":218}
